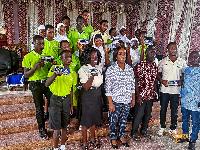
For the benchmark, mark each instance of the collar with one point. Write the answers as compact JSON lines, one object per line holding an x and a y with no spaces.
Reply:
{"x":36,"y":54}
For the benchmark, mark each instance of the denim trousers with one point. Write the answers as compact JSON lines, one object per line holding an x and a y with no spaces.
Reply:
{"x":118,"y":117}
{"x":186,"y":123}
{"x":165,"y":99}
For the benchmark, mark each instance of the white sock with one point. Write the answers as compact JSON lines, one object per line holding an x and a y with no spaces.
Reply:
{"x":56,"y":149}
{"x":62,"y":147}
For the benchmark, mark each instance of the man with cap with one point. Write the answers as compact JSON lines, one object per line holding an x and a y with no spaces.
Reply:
{"x":122,"y":34}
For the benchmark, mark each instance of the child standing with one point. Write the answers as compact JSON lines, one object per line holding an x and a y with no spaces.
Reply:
{"x":190,"y":98}
{"x":61,"y":105}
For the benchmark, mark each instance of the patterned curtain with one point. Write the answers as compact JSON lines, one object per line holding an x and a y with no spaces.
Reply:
{"x":2,"y":23}
{"x":107,"y":16}
{"x":121,"y":17}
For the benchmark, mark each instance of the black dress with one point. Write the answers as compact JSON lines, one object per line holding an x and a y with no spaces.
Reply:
{"x":91,"y":107}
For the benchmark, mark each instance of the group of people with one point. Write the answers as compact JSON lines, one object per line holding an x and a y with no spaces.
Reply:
{"x":90,"y":67}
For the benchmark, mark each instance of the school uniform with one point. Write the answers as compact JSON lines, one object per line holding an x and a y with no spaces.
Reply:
{"x":51,"y":48}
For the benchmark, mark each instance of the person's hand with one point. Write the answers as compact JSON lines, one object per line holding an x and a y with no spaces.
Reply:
{"x":139,"y":100}
{"x":58,"y":74}
{"x":179,"y":83}
{"x":164,"y":82}
{"x":143,"y":43}
{"x":107,"y":49}
{"x":128,"y":48}
{"x":111,"y":107}
{"x":40,"y":64}
{"x":71,"y":110}
{"x":94,"y":74}
{"x":54,"y":62}
{"x":79,"y":45}
{"x":179,"y":100}
{"x":132,"y":103}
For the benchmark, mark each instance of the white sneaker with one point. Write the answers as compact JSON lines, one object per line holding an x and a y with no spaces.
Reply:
{"x":173,"y":131}
{"x":161,"y":131}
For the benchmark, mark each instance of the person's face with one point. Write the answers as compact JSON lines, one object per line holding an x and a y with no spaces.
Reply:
{"x":137,"y":33}
{"x":62,"y":30}
{"x":172,"y":50}
{"x":42,"y":33}
{"x":80,"y":23}
{"x":39,"y":44}
{"x":194,"y":59}
{"x":98,"y":42}
{"x":66,"y":58}
{"x":65,"y":46}
{"x":142,"y":36}
{"x":104,"y":26}
{"x":136,"y":44}
{"x":123,"y":31}
{"x":113,"y":33}
{"x":150,"y":54}
{"x":86,"y":16}
{"x":66,"y":22}
{"x":93,"y":58}
{"x":50,"y":33}
{"x":121,"y":44}
{"x":121,"y":56}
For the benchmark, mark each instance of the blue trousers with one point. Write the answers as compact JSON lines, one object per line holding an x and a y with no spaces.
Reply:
{"x":186,"y":123}
{"x":118,"y":117}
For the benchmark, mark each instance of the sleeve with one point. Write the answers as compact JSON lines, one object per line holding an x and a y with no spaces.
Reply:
{"x":82,"y":75}
{"x":26,"y":62}
{"x":74,"y":78}
{"x":160,"y":66}
{"x":109,"y":82}
{"x":184,"y":66}
{"x":133,"y":82}
{"x":50,"y":72}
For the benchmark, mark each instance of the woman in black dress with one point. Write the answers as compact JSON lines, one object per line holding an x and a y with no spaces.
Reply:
{"x":91,"y":78}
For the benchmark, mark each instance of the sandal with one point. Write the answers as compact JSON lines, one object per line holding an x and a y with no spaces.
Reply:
{"x":95,"y":144}
{"x":43,"y":134}
{"x":84,"y":147}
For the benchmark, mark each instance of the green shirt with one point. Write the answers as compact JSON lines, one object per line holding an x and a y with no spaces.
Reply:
{"x":89,"y":29}
{"x":75,"y":35}
{"x":62,"y":85}
{"x":140,"y":50}
{"x":30,"y":60}
{"x":74,"y":65}
{"x":51,"y":48}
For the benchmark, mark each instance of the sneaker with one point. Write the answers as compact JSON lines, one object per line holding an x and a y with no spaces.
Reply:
{"x":173,"y":131}
{"x":136,"y":137}
{"x":145,"y":134}
{"x":161,"y":131}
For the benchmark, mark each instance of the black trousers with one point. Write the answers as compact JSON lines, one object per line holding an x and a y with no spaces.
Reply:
{"x":38,"y":89}
{"x":142,"y":112}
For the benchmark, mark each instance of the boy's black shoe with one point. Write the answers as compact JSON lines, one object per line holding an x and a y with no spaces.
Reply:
{"x":191,"y":145}
{"x":136,"y":137}
{"x":145,"y":134}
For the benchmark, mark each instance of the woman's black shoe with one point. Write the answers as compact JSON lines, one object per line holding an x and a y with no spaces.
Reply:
{"x":114,"y":146}
{"x":125,"y":144}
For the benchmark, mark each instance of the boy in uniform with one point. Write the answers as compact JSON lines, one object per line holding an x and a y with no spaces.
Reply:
{"x":36,"y":70}
{"x":61,"y":105}
{"x":51,"y":46}
{"x":87,"y":27}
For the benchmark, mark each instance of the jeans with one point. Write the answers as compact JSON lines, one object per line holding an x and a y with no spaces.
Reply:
{"x":38,"y":89}
{"x":118,"y":117}
{"x":186,"y":123}
{"x":165,"y":98}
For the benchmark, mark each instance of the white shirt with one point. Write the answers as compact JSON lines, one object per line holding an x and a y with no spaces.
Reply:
{"x":85,"y":73}
{"x":135,"y":56}
{"x":171,"y":71}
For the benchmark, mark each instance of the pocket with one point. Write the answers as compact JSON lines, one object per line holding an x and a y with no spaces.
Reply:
{"x":33,"y":86}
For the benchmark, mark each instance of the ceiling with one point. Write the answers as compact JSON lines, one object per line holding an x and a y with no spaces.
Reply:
{"x":130,"y":2}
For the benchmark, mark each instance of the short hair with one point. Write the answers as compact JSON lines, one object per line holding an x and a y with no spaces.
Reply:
{"x":142,"y":32}
{"x":85,"y":11}
{"x":193,"y":53}
{"x":65,"y":17}
{"x":79,"y":17}
{"x":48,"y":27}
{"x":63,"y":41}
{"x":96,"y":36}
{"x":115,"y":52}
{"x":65,"y":51}
{"x":86,"y":55}
{"x":149,"y":47}
{"x":102,"y":21}
{"x":36,"y":37}
{"x":111,"y":30}
{"x":170,"y":43}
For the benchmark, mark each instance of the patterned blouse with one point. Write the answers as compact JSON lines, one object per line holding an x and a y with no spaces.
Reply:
{"x":120,"y":84}
{"x":146,"y":75}
{"x":190,"y":91}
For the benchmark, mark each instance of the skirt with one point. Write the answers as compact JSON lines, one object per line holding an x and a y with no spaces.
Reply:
{"x":91,"y":107}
